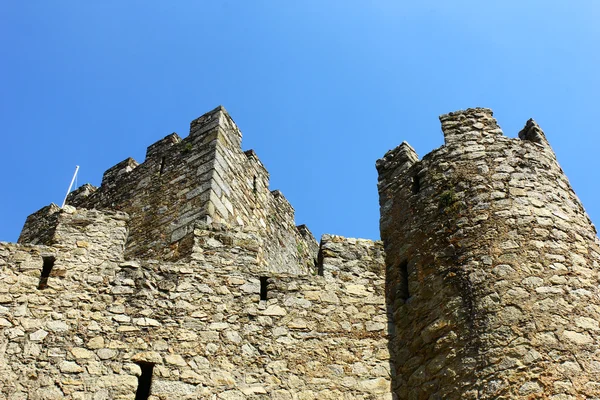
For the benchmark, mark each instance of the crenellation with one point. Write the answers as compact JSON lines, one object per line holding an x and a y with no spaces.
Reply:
{"x":260,"y":179}
{"x":186,"y":277}
{"x":78,"y":195}
{"x":473,"y":124}
{"x":533,"y":133}
{"x":112,"y":175}
{"x":159,"y":149}
{"x":282,"y":205}
{"x":40,"y":226}
{"x":395,"y":163}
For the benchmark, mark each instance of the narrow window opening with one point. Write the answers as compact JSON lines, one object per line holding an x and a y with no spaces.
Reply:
{"x":403,"y":292}
{"x":416,"y":184}
{"x":264,"y":284}
{"x":162,"y":166}
{"x":319,"y":263}
{"x":46,"y":269}
{"x":254,"y":185}
{"x":144,"y":381}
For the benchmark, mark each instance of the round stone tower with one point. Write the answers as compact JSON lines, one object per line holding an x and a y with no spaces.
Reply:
{"x":492,"y":268}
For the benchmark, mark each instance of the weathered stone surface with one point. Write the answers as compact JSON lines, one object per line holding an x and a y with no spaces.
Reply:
{"x":147,"y":356}
{"x":70,"y":367}
{"x":205,"y":334}
{"x":79,"y":353}
{"x":488,"y":287}
{"x":492,"y":267}
{"x":175,"y":359}
{"x":38,"y":335}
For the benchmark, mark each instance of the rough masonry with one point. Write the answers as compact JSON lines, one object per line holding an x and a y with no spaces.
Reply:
{"x":185,"y":277}
{"x":492,"y":268}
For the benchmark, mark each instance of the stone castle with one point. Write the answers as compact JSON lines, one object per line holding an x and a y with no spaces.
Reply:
{"x":185,"y":277}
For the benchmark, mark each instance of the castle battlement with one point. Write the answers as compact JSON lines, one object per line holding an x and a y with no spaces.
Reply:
{"x":202,"y":179}
{"x":185,"y":277}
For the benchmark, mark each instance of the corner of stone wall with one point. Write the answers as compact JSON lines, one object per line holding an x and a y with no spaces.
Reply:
{"x":217,"y":118}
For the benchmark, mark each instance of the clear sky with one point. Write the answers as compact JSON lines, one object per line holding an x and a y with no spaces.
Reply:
{"x":320,"y":89}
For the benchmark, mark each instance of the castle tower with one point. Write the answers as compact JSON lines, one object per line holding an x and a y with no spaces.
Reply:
{"x":184,"y":191}
{"x":492,"y":268}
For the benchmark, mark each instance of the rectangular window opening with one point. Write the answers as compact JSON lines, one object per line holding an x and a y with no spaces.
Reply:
{"x":254,"y":185}
{"x":162,"y":166}
{"x":403,"y":292}
{"x":46,"y":270}
{"x":416,"y":184}
{"x":144,"y":381}
{"x":319,"y":263}
{"x":264,"y":287}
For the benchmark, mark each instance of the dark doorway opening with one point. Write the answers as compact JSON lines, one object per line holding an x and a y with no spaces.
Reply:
{"x":144,"y":381}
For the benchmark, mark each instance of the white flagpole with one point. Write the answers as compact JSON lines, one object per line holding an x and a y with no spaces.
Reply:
{"x":70,"y":186}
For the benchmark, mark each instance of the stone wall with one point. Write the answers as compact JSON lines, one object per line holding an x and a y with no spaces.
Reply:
{"x":184,"y":183}
{"x":492,"y":268}
{"x":208,"y":328}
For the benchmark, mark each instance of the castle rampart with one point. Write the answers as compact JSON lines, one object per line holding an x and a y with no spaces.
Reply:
{"x":185,"y":277}
{"x":492,"y":267}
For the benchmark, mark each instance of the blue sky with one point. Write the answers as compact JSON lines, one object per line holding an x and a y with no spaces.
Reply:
{"x":320,"y":89}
